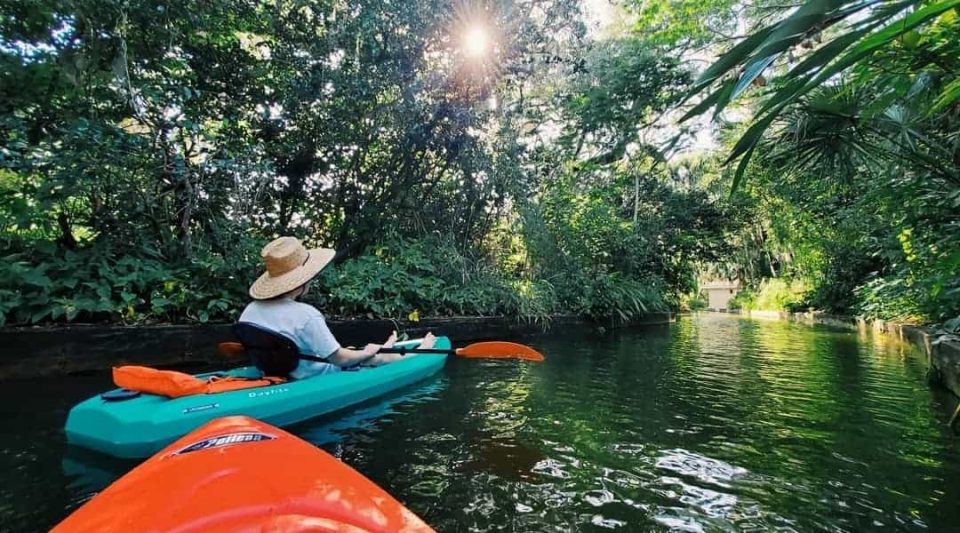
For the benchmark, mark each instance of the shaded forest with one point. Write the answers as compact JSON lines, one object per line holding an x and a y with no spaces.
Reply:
{"x":523,"y":158}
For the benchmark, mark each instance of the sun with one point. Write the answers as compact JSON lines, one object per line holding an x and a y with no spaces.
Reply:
{"x":475,"y":42}
{"x":477,"y":37}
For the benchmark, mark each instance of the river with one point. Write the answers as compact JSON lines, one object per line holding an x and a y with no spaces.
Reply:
{"x":715,"y":423}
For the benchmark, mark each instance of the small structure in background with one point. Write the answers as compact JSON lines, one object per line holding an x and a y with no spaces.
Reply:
{"x":719,"y":293}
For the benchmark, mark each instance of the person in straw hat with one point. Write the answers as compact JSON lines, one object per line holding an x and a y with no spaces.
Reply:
{"x":289,"y":268}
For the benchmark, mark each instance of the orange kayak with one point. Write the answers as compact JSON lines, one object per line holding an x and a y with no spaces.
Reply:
{"x":239,"y":474}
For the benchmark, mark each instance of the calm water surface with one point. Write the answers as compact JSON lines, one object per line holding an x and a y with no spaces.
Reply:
{"x":716,"y":423}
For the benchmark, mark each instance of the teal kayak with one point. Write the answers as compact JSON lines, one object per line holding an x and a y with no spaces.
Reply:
{"x":140,"y":426}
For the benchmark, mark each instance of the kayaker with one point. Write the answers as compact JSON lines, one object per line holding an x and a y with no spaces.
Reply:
{"x":289,"y":269}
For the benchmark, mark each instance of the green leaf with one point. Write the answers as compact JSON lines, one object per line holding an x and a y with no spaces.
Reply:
{"x":40,"y":314}
{"x":37,"y":278}
{"x":752,"y":136}
{"x":789,"y":93}
{"x":104,"y":292}
{"x":883,"y":37}
{"x":755,"y":69}
{"x":741,"y":169}
{"x":86,"y":304}
{"x":704,"y":104}
{"x":726,"y":94}
{"x":789,"y":32}
{"x":828,"y":52}
{"x":949,"y":95}
{"x":734,"y":57}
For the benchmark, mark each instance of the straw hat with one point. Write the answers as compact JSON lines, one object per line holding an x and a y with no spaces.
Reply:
{"x":289,"y":265}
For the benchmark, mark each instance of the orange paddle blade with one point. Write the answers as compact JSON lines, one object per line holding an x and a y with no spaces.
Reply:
{"x":500,"y":350}
{"x":231,"y":349}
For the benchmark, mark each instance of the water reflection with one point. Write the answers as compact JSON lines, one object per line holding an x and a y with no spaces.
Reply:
{"x":719,"y":423}
{"x":330,"y":429}
{"x":507,"y":459}
{"x":714,"y":424}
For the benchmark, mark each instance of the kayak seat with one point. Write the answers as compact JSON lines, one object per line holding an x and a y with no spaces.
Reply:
{"x":272,"y":353}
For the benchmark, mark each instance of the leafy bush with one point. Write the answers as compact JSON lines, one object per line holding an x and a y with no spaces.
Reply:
{"x":888,"y":298}
{"x":745,"y":299}
{"x":846,"y":266}
{"x":773,"y":294}
{"x":617,"y":297}
{"x":97,"y":284}
{"x":535,"y":301}
{"x":430,"y":275}
{"x":693,"y":302}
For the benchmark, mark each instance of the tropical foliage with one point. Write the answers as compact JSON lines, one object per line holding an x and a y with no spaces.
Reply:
{"x":853,"y":151}
{"x":149,"y":149}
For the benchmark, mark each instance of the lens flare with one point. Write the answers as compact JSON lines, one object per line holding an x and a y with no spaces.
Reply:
{"x":475,"y":42}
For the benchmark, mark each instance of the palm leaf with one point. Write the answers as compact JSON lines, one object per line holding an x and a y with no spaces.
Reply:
{"x":705,"y":104}
{"x":950,"y":94}
{"x":734,"y":57}
{"x":818,"y":68}
{"x":755,"y":69}
{"x":883,"y":37}
{"x":827,"y":52}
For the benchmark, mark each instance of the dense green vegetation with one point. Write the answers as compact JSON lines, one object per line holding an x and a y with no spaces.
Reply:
{"x":478,"y":158}
{"x":853,"y":155}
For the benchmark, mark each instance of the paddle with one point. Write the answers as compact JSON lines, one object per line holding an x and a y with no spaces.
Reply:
{"x":477,"y":350}
{"x":480,"y":350}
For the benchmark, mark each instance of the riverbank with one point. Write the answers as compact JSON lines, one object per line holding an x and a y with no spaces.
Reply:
{"x":77,"y":349}
{"x":943,"y":356}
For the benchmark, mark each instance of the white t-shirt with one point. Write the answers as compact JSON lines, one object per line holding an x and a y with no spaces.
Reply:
{"x":300,"y":322}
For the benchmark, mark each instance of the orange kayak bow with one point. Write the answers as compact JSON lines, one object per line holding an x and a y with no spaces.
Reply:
{"x":239,"y":474}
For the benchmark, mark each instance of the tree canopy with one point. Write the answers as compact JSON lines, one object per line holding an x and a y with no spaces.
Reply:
{"x":504,"y":157}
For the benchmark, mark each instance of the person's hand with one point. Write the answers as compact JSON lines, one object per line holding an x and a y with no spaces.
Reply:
{"x":371,"y":349}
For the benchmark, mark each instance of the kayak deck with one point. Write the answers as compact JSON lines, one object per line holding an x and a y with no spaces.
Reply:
{"x":140,"y":426}
{"x":239,"y":474}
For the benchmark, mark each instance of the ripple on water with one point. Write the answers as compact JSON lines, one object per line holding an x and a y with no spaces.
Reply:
{"x":607,"y":523}
{"x":712,"y":424}
{"x":598,"y":497}
{"x":551,"y":468}
{"x":702,"y":468}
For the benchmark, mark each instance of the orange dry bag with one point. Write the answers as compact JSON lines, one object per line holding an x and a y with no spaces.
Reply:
{"x":160,"y":382}
{"x":176,"y":384}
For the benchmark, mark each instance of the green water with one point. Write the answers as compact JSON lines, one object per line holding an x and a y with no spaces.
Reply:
{"x":715,"y":423}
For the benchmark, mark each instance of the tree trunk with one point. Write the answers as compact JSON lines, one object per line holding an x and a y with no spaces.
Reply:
{"x":636,"y":198}
{"x":67,"y":239}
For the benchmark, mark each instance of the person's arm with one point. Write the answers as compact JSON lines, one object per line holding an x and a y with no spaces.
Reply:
{"x":320,"y":342}
{"x":323,"y":344}
{"x":347,"y":356}
{"x":368,"y":355}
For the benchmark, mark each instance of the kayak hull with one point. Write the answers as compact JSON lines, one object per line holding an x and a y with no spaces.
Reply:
{"x":239,"y":474}
{"x":141,"y":426}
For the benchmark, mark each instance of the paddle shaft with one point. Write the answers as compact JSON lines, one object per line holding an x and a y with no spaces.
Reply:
{"x":404,"y":351}
{"x":480,"y":350}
